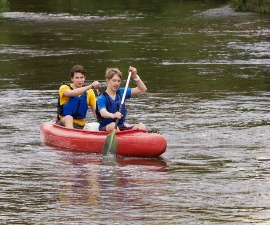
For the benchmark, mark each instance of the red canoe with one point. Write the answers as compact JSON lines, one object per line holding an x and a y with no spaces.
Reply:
{"x":130,"y":143}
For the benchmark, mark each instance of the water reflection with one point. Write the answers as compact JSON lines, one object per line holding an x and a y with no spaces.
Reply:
{"x":108,"y":183}
{"x":29,"y":51}
{"x":60,"y":17}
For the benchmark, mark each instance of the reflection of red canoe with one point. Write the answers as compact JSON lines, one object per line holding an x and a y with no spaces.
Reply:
{"x":130,"y":143}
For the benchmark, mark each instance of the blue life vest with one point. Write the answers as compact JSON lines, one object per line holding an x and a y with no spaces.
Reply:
{"x":112,"y":106}
{"x":76,"y":106}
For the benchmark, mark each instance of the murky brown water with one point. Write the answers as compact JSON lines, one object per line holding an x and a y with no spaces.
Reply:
{"x":207,"y":72}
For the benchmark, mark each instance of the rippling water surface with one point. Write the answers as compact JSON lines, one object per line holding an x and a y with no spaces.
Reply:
{"x":207,"y":72}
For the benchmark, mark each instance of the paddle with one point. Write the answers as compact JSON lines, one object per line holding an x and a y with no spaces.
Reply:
{"x":111,"y":143}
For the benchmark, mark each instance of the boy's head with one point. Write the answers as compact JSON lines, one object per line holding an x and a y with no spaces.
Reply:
{"x":110,"y":72}
{"x":77,"y":69}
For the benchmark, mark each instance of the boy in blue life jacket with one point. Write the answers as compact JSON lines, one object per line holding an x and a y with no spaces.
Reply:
{"x":108,"y":103}
{"x":74,"y":100}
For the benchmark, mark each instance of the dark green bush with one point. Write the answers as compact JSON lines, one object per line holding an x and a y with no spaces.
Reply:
{"x":4,"y":6}
{"x":261,"y":6}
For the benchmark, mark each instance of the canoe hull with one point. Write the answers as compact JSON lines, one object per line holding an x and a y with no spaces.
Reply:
{"x":130,"y":143}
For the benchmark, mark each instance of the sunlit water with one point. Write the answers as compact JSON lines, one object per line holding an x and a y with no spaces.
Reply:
{"x":208,"y":81}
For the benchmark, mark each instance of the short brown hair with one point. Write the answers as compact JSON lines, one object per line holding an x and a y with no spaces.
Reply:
{"x":77,"y":69}
{"x":110,"y":72}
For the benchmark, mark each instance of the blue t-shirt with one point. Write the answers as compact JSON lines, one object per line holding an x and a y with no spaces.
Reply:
{"x":102,"y":103}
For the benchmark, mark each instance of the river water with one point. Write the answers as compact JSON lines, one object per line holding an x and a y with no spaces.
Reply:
{"x":208,"y":77}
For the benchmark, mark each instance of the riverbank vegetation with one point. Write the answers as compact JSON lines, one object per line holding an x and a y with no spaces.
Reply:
{"x":4,"y":6}
{"x":260,"y":6}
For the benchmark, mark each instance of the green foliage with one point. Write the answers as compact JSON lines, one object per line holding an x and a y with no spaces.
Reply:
{"x":261,"y":6}
{"x":237,"y":4}
{"x":4,"y":6}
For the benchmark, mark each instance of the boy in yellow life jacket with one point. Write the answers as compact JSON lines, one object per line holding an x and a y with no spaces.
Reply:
{"x":74,"y":99}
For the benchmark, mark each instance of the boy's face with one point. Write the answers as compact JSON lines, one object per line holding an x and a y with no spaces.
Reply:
{"x":114,"y":83}
{"x":78,"y":79}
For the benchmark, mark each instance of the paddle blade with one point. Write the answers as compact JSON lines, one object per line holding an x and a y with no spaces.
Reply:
{"x":111,"y":144}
